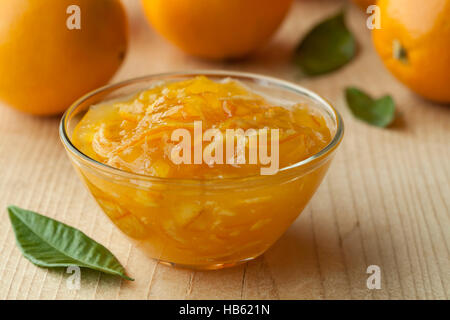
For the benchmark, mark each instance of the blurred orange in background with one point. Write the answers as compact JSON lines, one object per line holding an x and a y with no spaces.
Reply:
{"x":414,"y":44}
{"x":216,"y":29}
{"x":44,"y":66}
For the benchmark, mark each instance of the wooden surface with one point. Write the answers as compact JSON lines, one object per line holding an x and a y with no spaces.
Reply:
{"x":385,"y":200}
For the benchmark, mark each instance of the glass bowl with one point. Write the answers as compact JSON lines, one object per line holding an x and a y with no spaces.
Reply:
{"x":203,"y":224}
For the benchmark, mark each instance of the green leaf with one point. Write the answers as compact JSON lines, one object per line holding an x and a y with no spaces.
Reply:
{"x":49,"y":243}
{"x":380,"y":112}
{"x":327,"y":47}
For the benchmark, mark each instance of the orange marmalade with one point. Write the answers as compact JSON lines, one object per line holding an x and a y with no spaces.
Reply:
{"x":199,"y":226}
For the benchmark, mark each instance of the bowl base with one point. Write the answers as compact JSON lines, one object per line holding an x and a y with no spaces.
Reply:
{"x":213,"y":266}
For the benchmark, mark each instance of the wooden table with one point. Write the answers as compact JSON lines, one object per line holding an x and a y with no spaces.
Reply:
{"x":385,"y":201}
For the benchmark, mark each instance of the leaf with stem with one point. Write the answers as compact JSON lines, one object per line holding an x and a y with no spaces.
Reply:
{"x":50,"y":243}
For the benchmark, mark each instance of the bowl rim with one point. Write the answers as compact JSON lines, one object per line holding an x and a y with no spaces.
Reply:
{"x":283,"y":84}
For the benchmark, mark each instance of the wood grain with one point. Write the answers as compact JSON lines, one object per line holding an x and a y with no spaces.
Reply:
{"x":385,"y":201}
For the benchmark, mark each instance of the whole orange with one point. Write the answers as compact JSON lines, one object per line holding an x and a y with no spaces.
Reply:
{"x":414,"y":44}
{"x":44,"y":65}
{"x":216,"y":29}
{"x":364,"y":3}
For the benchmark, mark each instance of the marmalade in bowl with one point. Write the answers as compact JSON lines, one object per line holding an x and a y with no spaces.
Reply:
{"x":202,"y":225}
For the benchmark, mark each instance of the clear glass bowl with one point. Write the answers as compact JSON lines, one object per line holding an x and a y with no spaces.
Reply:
{"x":237,"y":218}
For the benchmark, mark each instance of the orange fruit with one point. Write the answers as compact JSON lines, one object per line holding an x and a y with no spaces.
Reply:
{"x":44,"y":66}
{"x":216,"y":29}
{"x":414,"y":44}
{"x":364,"y":3}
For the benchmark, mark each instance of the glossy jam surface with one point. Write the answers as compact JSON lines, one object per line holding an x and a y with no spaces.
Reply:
{"x":198,"y":226}
{"x":135,"y":134}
